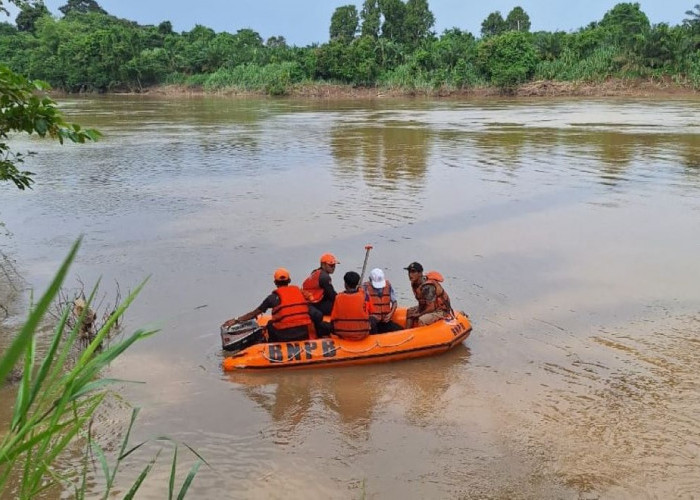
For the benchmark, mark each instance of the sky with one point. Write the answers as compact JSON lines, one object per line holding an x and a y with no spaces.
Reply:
{"x":303,"y":22}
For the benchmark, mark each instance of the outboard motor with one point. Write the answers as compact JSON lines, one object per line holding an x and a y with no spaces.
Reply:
{"x":241,"y":335}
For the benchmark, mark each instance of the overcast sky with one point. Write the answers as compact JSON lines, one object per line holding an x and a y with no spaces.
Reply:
{"x":303,"y":22}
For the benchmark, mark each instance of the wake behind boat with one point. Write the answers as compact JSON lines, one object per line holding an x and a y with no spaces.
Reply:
{"x":250,"y":352}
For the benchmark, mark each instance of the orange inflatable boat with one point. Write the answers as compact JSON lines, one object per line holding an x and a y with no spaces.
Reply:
{"x":333,"y":351}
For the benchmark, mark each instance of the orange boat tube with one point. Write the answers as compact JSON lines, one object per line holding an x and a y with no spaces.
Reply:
{"x":333,"y":351}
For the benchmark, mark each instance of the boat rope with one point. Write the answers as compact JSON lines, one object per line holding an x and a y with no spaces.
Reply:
{"x":262,"y":352}
{"x":376,"y":344}
{"x":396,"y":345}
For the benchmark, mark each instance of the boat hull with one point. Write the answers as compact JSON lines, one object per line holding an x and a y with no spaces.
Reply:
{"x":379,"y":348}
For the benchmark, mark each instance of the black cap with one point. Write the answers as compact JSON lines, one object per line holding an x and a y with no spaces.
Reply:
{"x":414,"y":266}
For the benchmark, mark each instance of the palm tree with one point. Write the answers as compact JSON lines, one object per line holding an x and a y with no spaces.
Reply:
{"x":693,"y":18}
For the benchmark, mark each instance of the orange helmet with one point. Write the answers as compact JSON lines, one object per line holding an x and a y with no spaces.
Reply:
{"x":281,"y":274}
{"x":329,"y":258}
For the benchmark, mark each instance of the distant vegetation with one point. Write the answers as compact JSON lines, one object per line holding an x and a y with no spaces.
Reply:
{"x":386,"y":43}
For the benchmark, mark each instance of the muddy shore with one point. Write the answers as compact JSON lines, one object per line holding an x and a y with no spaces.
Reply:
{"x":607,"y":88}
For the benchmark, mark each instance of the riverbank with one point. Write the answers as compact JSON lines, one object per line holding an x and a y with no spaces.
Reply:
{"x":11,"y":289}
{"x":543,"y":88}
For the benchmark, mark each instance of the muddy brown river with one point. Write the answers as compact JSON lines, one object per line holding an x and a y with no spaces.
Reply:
{"x":569,"y":230}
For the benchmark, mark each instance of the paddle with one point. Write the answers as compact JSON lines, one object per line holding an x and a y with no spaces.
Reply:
{"x":364,"y":265}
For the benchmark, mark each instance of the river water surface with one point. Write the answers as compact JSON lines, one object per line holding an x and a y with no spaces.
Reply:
{"x":569,"y":230}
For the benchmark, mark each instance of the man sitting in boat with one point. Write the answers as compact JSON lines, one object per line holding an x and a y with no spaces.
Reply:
{"x":318,"y":287}
{"x":433,"y":301}
{"x":383,"y":299}
{"x":291,"y":316}
{"x":351,"y":316}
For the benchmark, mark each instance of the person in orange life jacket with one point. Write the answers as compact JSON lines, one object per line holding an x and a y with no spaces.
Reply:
{"x":291,"y":318}
{"x":383,"y":299}
{"x":318,"y":287}
{"x":351,"y":316}
{"x":433,"y":301}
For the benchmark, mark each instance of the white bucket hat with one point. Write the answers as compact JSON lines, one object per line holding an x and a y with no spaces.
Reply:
{"x":376,"y":277}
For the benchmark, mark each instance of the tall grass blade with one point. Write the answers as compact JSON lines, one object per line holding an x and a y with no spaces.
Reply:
{"x":48,"y":359}
{"x":139,"y":480}
{"x":19,"y":344}
{"x":188,"y":480}
{"x":102,"y":459}
{"x":23,"y":393}
{"x":171,"y":483}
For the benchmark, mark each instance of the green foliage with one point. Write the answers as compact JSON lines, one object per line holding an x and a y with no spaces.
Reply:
{"x":453,"y":47}
{"x":518,"y":20}
{"x":29,"y":14}
{"x":418,"y":22}
{"x":165,"y":28}
{"x":394,"y":13}
{"x":693,"y":18}
{"x":662,"y":47}
{"x":354,"y":63}
{"x":493,"y":25}
{"x":549,"y":46}
{"x":90,"y":50}
{"x":694,"y":73}
{"x":24,"y":109}
{"x":344,"y":23}
{"x":405,"y":76}
{"x":81,"y":7}
{"x":508,"y":60}
{"x":626,"y":24}
{"x":600,"y":65}
{"x":57,"y":398}
{"x":371,"y":18}
{"x":584,"y":43}
{"x":273,"y":79}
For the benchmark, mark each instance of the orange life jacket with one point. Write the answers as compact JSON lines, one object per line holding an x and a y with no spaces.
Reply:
{"x":312,"y":287}
{"x":350,"y":316}
{"x":292,"y":311}
{"x":381,"y":306}
{"x":442,"y":300}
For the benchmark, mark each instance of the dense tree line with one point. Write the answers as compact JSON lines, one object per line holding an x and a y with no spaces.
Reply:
{"x":381,"y":42}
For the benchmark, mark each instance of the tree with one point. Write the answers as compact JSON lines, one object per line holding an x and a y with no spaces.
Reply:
{"x":165,"y":28}
{"x":29,"y":14}
{"x":81,"y":7}
{"x":453,"y":46}
{"x":344,"y":23}
{"x":549,"y":46}
{"x":23,"y":110}
{"x":508,"y":59}
{"x":418,"y":21}
{"x":371,"y":17}
{"x":276,"y":42}
{"x":493,"y":25}
{"x":625,"y":22}
{"x":692,"y":22}
{"x":663,"y":47}
{"x":693,"y":18}
{"x":518,"y":20}
{"x":394,"y":12}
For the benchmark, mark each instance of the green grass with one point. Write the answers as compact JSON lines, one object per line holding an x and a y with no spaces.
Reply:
{"x":273,"y":79}
{"x":57,"y":397}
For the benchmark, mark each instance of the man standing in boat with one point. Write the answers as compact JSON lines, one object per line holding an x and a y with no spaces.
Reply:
{"x":291,"y":315}
{"x":352,"y":311}
{"x":318,"y":287}
{"x":433,"y":301}
{"x":383,"y":299}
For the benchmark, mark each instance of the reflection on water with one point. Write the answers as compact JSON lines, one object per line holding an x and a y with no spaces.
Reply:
{"x":569,"y":231}
{"x":391,"y":159}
